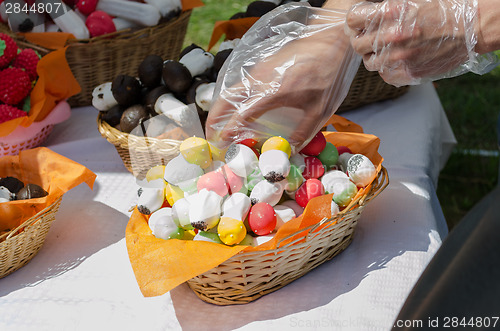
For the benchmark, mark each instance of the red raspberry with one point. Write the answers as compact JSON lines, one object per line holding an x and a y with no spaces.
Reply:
{"x":27,"y":59}
{"x":15,"y":85}
{"x":8,"y":112}
{"x":8,"y":50}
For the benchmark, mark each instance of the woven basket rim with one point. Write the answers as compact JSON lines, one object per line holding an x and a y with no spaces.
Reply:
{"x":29,"y":222}
{"x":125,"y":140}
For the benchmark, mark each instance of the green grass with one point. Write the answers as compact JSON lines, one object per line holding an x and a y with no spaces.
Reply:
{"x":203,"y":19}
{"x":472,"y":103}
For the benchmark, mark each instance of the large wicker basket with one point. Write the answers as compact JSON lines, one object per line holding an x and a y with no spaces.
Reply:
{"x":248,"y":276}
{"x":368,"y":87}
{"x":20,"y":245}
{"x":100,"y":59}
{"x":139,"y":154}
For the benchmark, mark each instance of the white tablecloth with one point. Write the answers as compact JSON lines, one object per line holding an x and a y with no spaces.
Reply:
{"x":82,"y":279}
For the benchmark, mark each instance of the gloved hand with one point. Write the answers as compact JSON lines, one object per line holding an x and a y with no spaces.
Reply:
{"x":412,"y":41}
{"x":287,"y":76}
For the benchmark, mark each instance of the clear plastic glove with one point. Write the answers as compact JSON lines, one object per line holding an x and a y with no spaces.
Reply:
{"x":287,"y":76}
{"x":409,"y":42}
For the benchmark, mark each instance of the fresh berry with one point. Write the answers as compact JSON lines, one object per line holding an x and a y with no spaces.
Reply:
{"x":27,"y":59}
{"x":8,"y":50}
{"x":8,"y":112}
{"x":15,"y":85}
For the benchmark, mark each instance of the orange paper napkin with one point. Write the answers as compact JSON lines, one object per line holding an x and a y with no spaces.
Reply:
{"x":161,"y":265}
{"x":232,"y":29}
{"x":55,"y":173}
{"x":55,"y":83}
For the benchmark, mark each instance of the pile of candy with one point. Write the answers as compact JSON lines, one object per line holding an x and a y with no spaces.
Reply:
{"x":12,"y":188}
{"x":86,"y":18}
{"x":162,"y":88}
{"x":244,"y":196}
{"x":17,"y":77}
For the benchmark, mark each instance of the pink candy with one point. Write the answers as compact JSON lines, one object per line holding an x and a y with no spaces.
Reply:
{"x":213,"y":181}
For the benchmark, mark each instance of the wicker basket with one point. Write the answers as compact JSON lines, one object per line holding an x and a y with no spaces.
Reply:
{"x":100,"y":59}
{"x":20,"y":245}
{"x":248,"y":276}
{"x":31,"y":142}
{"x":368,"y":87}
{"x":139,"y":154}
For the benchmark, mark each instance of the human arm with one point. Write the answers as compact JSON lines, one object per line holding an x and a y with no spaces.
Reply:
{"x":408,"y":42}
{"x":287,"y":77}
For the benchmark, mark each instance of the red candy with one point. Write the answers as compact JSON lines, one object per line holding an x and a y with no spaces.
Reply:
{"x":315,"y":146}
{"x":314,"y":168}
{"x":311,"y":188}
{"x":249,"y":142}
{"x":343,"y":149}
{"x":99,"y":23}
{"x":86,"y":7}
{"x":262,"y":218}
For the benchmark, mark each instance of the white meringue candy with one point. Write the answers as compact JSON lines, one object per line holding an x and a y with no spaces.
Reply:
{"x":174,"y":109}
{"x":180,"y":213}
{"x":150,"y":199}
{"x":241,"y":159}
{"x":204,"y":95}
{"x":334,"y":208}
{"x":268,"y":192}
{"x":102,"y":97}
{"x":5,"y":194}
{"x":205,"y":209}
{"x":229,"y":44}
{"x":274,"y":165}
{"x":179,"y":170}
{"x":361,"y":170}
{"x":214,"y":166}
{"x":298,"y":209}
{"x":283,"y":215}
{"x":197,"y":61}
{"x":330,"y":178}
{"x":162,"y":224}
{"x":236,"y":206}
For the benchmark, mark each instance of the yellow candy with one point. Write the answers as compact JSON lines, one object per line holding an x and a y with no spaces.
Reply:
{"x":217,"y":153}
{"x":231,"y":231}
{"x":188,"y":235}
{"x":155,"y":172}
{"x":173,"y":193}
{"x":196,"y":150}
{"x":277,"y":143}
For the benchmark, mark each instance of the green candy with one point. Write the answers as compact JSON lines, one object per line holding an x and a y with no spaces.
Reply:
{"x":207,"y":236}
{"x":329,"y":156}
{"x":294,"y":179}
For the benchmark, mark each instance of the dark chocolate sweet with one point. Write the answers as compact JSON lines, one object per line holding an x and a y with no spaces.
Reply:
{"x":152,"y":96}
{"x":176,"y":76}
{"x":259,"y":8}
{"x":113,"y":115}
{"x":126,"y":90}
{"x":150,"y":71}
{"x":12,"y":184}
{"x":132,"y":116}
{"x":31,"y":191}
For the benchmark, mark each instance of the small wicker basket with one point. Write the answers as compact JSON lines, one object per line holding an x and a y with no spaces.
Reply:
{"x":20,"y":245}
{"x":139,"y":154}
{"x":100,"y":59}
{"x":248,"y":276}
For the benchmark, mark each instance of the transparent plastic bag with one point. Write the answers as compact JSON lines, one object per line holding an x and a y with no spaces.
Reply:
{"x":412,"y":42}
{"x":286,"y":77}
